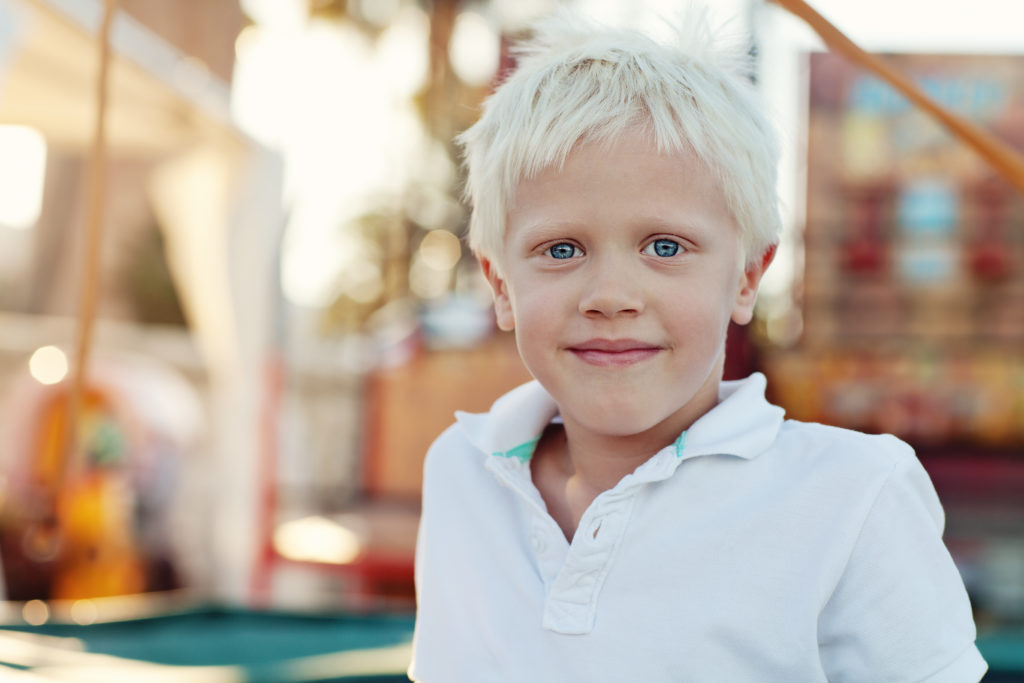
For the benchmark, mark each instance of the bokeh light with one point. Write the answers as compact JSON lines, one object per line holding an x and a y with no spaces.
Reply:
{"x":316,"y":539}
{"x":84,"y":612}
{"x":440,"y":250}
{"x":22,"y":175}
{"x":35,"y":612}
{"x":474,"y":49}
{"x":48,"y":365}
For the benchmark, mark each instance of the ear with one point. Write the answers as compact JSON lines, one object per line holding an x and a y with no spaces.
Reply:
{"x":743,"y":311}
{"x":502,"y":303}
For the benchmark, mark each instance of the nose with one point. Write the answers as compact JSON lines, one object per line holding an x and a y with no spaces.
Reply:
{"x":611,"y":290}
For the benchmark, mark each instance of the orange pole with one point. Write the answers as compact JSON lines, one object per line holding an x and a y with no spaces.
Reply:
{"x":1006,"y":161}
{"x":89,"y":284}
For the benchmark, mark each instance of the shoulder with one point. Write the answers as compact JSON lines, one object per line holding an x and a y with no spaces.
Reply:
{"x":812,"y":437}
{"x":845,"y":448}
{"x":449,"y":456}
{"x":855,"y":465}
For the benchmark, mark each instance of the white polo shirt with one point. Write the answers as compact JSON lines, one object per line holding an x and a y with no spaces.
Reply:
{"x":752,"y":549}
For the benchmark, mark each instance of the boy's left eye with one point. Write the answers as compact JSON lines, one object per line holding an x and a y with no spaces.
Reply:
{"x":662,"y":247}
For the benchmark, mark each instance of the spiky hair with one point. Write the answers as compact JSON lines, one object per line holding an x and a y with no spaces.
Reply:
{"x":577,"y":80}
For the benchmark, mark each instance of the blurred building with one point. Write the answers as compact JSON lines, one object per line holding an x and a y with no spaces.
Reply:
{"x":192,"y":207}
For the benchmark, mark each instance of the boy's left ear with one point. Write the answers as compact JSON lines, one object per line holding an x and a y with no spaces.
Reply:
{"x":743,"y":311}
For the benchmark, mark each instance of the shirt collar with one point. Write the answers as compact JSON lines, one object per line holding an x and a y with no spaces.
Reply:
{"x":742,"y":424}
{"x":514,"y":424}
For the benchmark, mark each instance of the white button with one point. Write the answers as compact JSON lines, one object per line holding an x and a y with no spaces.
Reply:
{"x":539,"y":545}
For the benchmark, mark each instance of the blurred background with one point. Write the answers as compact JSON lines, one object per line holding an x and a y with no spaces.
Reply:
{"x":288,"y":313}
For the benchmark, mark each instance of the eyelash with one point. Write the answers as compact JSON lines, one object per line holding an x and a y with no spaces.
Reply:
{"x":650,"y":249}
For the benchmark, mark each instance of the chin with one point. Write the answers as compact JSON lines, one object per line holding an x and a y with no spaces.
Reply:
{"x":614,"y":421}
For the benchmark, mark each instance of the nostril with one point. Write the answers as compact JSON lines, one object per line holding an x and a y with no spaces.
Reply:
{"x":611,"y":312}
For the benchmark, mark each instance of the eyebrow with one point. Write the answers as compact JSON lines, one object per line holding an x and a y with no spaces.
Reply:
{"x":648,"y":223}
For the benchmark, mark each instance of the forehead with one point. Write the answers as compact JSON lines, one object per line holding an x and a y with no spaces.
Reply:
{"x":624,"y":177}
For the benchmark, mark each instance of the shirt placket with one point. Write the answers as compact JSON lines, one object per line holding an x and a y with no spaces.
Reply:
{"x":571,"y":603}
{"x":574,"y":573}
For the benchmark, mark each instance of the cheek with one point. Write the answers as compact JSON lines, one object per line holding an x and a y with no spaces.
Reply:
{"x":539,"y":325}
{"x":728,"y":293}
{"x":534,"y":316}
{"x":536,"y":303}
{"x":700,"y":318}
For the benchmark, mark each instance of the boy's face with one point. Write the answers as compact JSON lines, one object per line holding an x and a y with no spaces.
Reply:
{"x":620,"y":274}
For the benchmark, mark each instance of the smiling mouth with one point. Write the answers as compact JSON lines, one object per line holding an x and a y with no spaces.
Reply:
{"x":614,"y":352}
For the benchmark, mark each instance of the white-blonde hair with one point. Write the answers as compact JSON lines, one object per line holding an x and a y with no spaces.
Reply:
{"x":576,"y":80}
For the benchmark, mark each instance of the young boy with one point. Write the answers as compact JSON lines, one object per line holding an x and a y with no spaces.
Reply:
{"x":629,"y":516}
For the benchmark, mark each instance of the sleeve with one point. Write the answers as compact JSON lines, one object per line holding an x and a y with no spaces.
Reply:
{"x":900,"y":611}
{"x":424,"y":546}
{"x":435,"y":562}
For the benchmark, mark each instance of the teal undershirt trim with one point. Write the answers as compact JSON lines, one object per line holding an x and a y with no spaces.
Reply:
{"x":523,"y":452}
{"x":680,"y":443}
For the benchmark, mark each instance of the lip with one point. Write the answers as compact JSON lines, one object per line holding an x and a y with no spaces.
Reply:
{"x":614,"y":352}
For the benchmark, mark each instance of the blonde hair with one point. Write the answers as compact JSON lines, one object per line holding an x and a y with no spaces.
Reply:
{"x":577,"y":80}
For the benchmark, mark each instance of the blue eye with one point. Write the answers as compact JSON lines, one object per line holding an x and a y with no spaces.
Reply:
{"x":662,"y":247}
{"x":562,"y":250}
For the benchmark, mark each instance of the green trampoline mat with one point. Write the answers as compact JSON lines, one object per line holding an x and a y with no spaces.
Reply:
{"x":254,"y":646}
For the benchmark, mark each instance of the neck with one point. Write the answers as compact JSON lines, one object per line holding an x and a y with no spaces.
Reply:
{"x":600,"y":460}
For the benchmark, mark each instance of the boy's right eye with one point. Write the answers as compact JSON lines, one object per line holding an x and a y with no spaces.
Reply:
{"x":562,"y":250}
